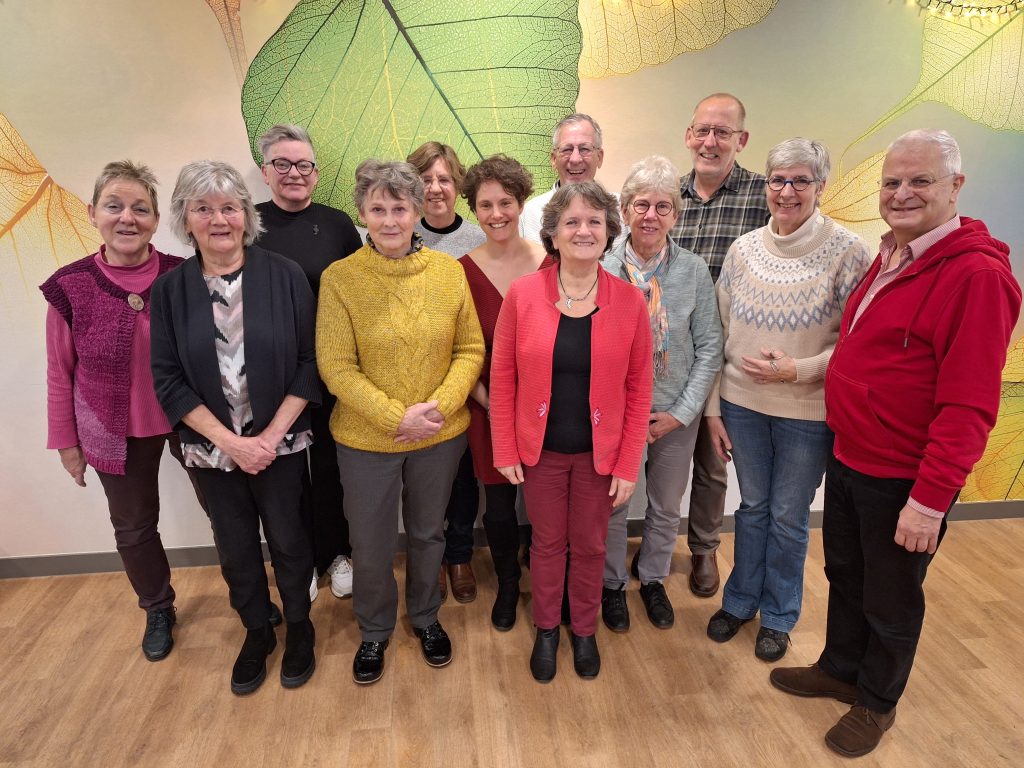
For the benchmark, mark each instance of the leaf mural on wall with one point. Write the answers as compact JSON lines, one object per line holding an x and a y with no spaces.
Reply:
{"x":852,"y":200}
{"x":621,"y":37}
{"x":377,"y":79}
{"x":42,"y":225}
{"x":229,"y":16}
{"x":970,"y":65}
{"x":999,"y":474}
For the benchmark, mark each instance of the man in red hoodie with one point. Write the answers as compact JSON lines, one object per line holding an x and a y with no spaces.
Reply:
{"x":912,"y":391}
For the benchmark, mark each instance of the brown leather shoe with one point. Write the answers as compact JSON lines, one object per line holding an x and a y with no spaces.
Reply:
{"x":704,"y":575}
{"x":463,"y":582}
{"x":812,"y":681}
{"x":859,"y":731}
{"x":442,"y":583}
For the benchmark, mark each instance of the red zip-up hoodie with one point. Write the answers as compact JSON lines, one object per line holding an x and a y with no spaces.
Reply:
{"x":912,"y":391}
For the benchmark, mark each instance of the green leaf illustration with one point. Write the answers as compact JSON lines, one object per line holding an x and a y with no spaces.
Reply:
{"x":377,"y":79}
{"x":972,"y":66}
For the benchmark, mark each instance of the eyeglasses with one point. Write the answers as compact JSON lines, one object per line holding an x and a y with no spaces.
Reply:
{"x":722,"y":133}
{"x":585,"y":150}
{"x":663,"y":208}
{"x":799,"y":184}
{"x":206,"y":212}
{"x":918,"y":183}
{"x":304,"y":167}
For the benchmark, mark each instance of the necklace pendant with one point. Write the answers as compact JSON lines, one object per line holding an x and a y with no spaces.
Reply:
{"x":568,"y":303}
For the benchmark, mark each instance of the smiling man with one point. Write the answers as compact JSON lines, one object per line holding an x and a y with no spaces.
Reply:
{"x":314,"y":236}
{"x":576,"y":155}
{"x":912,"y":391}
{"x":720,"y":202}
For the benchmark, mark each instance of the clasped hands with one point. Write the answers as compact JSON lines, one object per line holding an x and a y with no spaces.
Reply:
{"x":776,"y":367}
{"x":421,"y":420}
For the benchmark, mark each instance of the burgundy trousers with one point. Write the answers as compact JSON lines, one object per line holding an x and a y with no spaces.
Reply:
{"x":569,"y":507}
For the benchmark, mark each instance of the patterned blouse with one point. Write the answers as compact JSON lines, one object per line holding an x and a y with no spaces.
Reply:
{"x":226,"y":299}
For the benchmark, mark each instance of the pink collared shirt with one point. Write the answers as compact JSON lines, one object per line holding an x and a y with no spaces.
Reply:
{"x":886,"y":275}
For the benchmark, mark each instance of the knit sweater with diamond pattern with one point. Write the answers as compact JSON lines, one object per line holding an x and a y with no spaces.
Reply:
{"x":785,"y":292}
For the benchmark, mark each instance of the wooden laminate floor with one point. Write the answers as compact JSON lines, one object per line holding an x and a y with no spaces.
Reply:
{"x":76,"y":691}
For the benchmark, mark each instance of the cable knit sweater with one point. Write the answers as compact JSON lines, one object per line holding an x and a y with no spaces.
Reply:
{"x":391,"y":333}
{"x":785,"y":292}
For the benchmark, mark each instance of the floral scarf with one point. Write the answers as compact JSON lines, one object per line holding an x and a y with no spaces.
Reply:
{"x":644,"y":275}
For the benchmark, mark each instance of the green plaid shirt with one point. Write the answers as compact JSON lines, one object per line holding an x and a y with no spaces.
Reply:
{"x":708,"y":227}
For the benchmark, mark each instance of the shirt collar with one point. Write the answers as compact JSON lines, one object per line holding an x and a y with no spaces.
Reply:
{"x":731,"y":183}
{"x":919,"y":245}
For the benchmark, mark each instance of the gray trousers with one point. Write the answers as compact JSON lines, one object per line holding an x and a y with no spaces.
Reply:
{"x":666,"y":468}
{"x":707,"y":495}
{"x":374,"y":483}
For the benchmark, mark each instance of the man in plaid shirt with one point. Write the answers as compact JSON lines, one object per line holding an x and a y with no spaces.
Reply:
{"x":721,"y":201}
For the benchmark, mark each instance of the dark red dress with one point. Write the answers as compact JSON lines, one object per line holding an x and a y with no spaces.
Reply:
{"x":488,"y":305}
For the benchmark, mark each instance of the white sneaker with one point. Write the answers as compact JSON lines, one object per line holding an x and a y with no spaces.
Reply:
{"x":341,"y":576}
{"x":313,"y":591}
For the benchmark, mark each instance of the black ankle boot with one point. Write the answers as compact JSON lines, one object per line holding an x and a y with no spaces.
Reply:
{"x":543,"y":660}
{"x":298,"y":662}
{"x":250,"y":668}
{"x":503,"y":614}
{"x":585,"y":658}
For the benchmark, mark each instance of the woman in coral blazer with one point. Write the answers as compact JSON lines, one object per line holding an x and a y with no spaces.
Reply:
{"x":570,"y":398}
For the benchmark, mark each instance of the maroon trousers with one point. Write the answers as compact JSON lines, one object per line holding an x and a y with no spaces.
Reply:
{"x":569,"y":508}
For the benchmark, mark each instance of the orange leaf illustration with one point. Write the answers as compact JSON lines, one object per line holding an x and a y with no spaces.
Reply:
{"x":999,"y":475}
{"x":852,"y":200}
{"x":42,"y":225}
{"x":228,"y":13}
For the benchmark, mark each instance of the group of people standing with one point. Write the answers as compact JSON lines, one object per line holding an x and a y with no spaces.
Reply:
{"x":563,"y":343}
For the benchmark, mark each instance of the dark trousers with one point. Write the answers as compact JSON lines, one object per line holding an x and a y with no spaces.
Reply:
{"x":238,"y":503}
{"x":707,"y":495}
{"x":322,"y":494}
{"x":460,"y":515}
{"x":569,"y":509}
{"x":875,"y":596}
{"x":502,"y":527}
{"x":376,"y":482}
{"x":134,"y":503}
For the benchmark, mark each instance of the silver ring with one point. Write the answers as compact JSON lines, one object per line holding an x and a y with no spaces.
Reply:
{"x":773,"y":365}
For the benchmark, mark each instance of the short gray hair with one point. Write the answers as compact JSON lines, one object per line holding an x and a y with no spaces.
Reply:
{"x":211,"y":177}
{"x":284,"y":132}
{"x":595,"y":196}
{"x":128,"y":171}
{"x":652,"y":175}
{"x":800,"y":151}
{"x":573,"y":119}
{"x":947,"y":145}
{"x":396,"y":178}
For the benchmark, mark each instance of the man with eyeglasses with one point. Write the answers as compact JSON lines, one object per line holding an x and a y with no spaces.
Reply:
{"x":912,"y":391}
{"x":314,"y":236}
{"x":721,"y":201}
{"x":576,"y":154}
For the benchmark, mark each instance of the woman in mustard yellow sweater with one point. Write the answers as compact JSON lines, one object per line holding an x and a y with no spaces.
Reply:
{"x":399,"y":344}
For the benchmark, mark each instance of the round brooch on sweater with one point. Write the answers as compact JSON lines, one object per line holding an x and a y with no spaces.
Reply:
{"x":135,"y":302}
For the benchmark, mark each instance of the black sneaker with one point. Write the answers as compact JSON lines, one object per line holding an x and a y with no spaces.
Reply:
{"x":437,"y":648}
{"x":368,"y":665}
{"x":614,"y":611}
{"x":250,"y":669}
{"x":724,"y":626}
{"x":771,"y":644}
{"x":299,"y":660}
{"x":157,"y":640}
{"x":659,"y":609}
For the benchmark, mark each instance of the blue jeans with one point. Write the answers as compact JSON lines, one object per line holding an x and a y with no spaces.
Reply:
{"x":779,"y":464}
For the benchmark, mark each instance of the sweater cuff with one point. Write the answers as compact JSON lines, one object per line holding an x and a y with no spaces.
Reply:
{"x":810,"y":369}
{"x":924,"y":510}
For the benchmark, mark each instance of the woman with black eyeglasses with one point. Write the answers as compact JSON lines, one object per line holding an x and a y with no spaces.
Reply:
{"x":680,"y":299}
{"x":781,"y":294}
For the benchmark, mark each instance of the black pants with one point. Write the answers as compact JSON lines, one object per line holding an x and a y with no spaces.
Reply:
{"x":876,"y":595}
{"x":134,"y":503}
{"x":238,"y":503}
{"x":322,"y":494}
{"x":460,"y":515}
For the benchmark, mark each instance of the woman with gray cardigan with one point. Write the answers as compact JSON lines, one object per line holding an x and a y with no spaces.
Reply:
{"x":687,"y":356}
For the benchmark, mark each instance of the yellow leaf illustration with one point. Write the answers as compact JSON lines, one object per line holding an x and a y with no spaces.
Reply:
{"x":228,"y":13}
{"x":42,"y":225}
{"x":852,"y":200}
{"x":999,"y":475}
{"x":622,"y":36}
{"x":970,"y":65}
